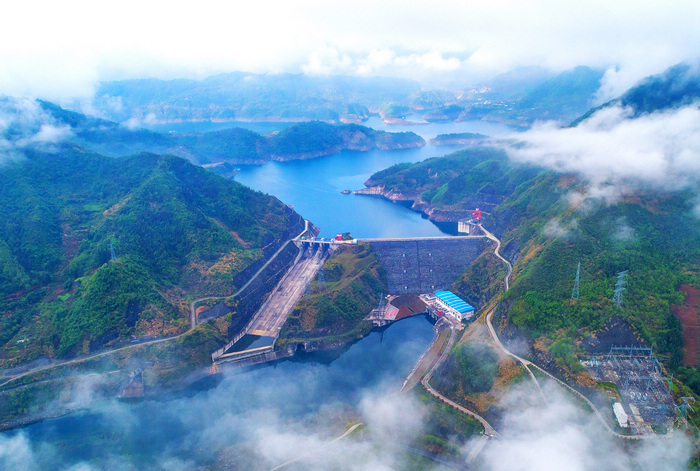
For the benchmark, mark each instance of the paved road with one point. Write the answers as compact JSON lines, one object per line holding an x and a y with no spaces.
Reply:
{"x":498,"y":254}
{"x":425,"y":380}
{"x":423,"y":238}
{"x":426,"y":360}
{"x":527,"y":364}
{"x":151,"y":342}
{"x":488,"y":429}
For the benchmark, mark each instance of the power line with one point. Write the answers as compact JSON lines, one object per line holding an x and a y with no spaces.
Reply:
{"x":619,"y":288}
{"x":574,"y":292}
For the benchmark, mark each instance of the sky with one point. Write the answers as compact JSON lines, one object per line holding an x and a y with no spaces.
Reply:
{"x":61,"y":50}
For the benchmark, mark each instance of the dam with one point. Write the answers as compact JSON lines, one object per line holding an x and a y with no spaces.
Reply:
{"x":415,"y":266}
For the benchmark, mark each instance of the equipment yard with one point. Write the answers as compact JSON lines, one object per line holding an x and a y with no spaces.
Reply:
{"x":644,"y":390}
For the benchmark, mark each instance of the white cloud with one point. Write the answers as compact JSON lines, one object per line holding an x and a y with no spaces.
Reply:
{"x":136,"y":123}
{"x":559,"y":435}
{"x":555,"y":228}
{"x":617,"y":153}
{"x":16,"y":453}
{"x":24,"y":125}
{"x":59,"y":50}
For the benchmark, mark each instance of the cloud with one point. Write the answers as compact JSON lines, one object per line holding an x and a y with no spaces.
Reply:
{"x":618,"y":154}
{"x":559,"y":435}
{"x":25,"y":125}
{"x":16,"y":453}
{"x":623,"y":231}
{"x":259,"y":419}
{"x":136,"y":123}
{"x":555,"y":228}
{"x":251,"y":419}
{"x":61,"y":54}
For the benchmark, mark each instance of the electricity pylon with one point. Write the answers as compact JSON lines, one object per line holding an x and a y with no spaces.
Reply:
{"x":574,"y":292}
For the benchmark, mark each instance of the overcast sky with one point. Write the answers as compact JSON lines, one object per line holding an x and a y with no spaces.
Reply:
{"x":58,"y":50}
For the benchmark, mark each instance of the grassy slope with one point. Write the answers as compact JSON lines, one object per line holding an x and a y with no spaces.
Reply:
{"x":355,"y":279}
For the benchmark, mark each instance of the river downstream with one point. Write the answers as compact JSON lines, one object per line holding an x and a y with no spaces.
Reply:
{"x":308,"y":395}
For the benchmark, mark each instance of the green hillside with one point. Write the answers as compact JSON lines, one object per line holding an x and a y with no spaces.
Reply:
{"x":676,"y":87}
{"x":355,"y":279}
{"x":235,"y":145}
{"x":528,"y":94}
{"x":654,"y":236}
{"x":176,"y":230}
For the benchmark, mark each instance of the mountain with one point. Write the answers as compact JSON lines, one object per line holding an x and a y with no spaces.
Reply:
{"x":676,"y":87}
{"x":526,"y":95}
{"x":175,"y":230}
{"x":235,"y":145}
{"x":251,"y":97}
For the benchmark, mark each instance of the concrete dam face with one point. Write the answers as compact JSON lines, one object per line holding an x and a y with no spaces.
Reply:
{"x":423,"y":266}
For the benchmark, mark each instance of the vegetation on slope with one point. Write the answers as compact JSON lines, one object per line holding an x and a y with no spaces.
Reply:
{"x":676,"y":87}
{"x":547,"y":238}
{"x":235,"y":145}
{"x":175,"y":229}
{"x":354,"y":279}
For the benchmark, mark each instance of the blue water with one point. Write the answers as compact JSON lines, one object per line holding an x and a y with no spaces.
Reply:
{"x":194,"y":427}
{"x":314,"y":186}
{"x":430,"y":130}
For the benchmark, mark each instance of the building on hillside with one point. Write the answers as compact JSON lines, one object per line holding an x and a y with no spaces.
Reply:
{"x":620,"y":414}
{"x":453,"y":305}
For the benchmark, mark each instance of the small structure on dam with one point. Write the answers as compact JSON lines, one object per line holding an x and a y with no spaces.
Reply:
{"x":425,"y":265}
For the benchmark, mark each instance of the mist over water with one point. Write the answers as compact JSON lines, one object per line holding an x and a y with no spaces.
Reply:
{"x":309,"y":396}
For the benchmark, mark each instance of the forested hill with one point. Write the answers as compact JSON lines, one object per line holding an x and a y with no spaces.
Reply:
{"x":175,"y":229}
{"x":676,"y":87}
{"x":253,"y":97}
{"x":235,"y":145}
{"x":653,"y":235}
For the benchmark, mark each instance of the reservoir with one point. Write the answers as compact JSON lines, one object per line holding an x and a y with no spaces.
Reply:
{"x":314,"y":186}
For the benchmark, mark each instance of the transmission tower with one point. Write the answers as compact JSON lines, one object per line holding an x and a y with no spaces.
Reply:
{"x":321,"y":281}
{"x":111,"y":249}
{"x":683,"y":408}
{"x":619,"y":288}
{"x":574,"y":292}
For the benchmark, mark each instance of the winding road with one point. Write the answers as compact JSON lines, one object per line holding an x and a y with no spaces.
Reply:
{"x":527,"y":364}
{"x":193,"y":323}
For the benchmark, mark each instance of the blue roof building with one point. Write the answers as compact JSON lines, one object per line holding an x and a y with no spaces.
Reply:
{"x":455,"y":305}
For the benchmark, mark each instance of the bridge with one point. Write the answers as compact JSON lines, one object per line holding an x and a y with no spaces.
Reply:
{"x":332,"y":241}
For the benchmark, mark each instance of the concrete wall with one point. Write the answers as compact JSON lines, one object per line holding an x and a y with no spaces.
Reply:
{"x":423,"y":266}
